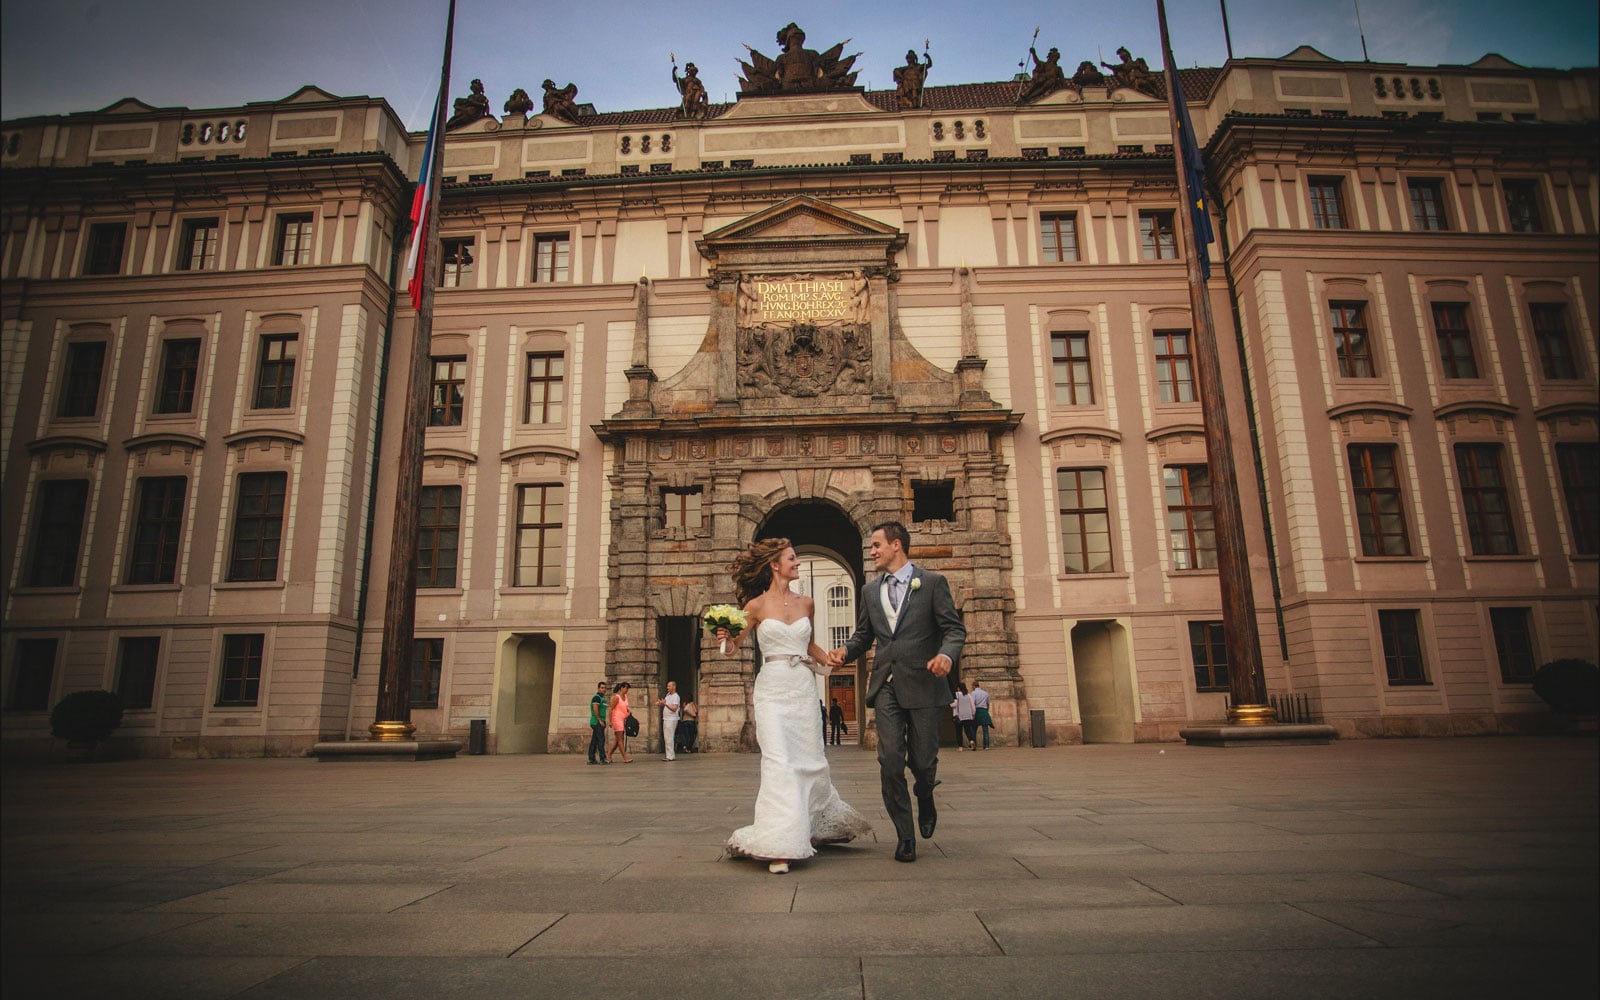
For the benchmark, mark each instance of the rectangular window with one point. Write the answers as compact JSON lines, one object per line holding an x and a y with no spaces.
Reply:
{"x":933,"y":500}
{"x":180,"y":366}
{"x":1513,"y":644}
{"x":541,"y":519}
{"x":275,"y":371}
{"x":1455,"y":340}
{"x":1485,"y":501}
{"x":157,"y":530}
{"x":33,"y":675}
{"x":1380,"y":512}
{"x":1556,"y":358}
{"x":449,"y":393}
{"x":681,"y":507}
{"x":1327,"y":202}
{"x":1191,"y":523}
{"x":106,"y":243}
{"x":1069,"y":364}
{"x":551,"y":254}
{"x":455,"y":261}
{"x":80,"y":380}
{"x":1059,"y":237}
{"x":438,"y":536}
{"x":58,"y":532}
{"x":1174,"y":366}
{"x":546,"y":389}
{"x":294,"y":239}
{"x":1208,"y":643}
{"x":1580,"y":483}
{"x":1402,"y":647}
{"x":240,"y":682}
{"x":1522,"y":206}
{"x":1085,"y":520}
{"x":427,"y":664}
{"x":1350,"y":340}
{"x":1427,"y":205}
{"x":1157,"y":239}
{"x":257,"y":526}
{"x":136,"y":670}
{"x":199,"y":249}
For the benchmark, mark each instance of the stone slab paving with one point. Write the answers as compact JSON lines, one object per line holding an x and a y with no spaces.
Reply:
{"x":1406,"y":868}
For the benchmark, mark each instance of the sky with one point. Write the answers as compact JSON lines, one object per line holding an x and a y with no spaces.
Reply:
{"x":63,"y":56}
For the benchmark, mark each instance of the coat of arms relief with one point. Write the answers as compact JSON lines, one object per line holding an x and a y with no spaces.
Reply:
{"x":804,"y":335}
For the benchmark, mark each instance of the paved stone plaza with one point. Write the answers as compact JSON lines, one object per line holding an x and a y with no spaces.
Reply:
{"x":1406,"y":868}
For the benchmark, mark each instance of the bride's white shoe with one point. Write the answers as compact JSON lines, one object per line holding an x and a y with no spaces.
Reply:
{"x":778,"y":867}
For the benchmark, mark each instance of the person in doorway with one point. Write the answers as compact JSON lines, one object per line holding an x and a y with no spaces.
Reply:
{"x":980,"y":711}
{"x":670,"y":704}
{"x":836,"y":721}
{"x":688,"y":726}
{"x":619,"y":723}
{"x":597,"y":726}
{"x":966,"y":728}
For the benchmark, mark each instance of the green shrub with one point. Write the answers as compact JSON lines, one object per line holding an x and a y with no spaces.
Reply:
{"x":1571,"y":687}
{"x":86,"y":716}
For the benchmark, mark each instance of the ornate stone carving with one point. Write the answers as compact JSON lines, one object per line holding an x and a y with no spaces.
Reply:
{"x":519,"y":103}
{"x":470,"y":108}
{"x":694,"y":104}
{"x":561,"y":104}
{"x":1132,"y":73}
{"x":908,"y":79}
{"x":1047,"y":76}
{"x":804,"y":335}
{"x":797,"y":69}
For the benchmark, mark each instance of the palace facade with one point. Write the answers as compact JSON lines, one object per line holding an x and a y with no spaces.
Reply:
{"x":661,"y":334}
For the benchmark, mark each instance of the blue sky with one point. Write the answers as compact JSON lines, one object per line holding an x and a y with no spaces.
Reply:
{"x":79,"y":55}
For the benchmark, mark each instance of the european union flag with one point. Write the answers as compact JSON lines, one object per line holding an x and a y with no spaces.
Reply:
{"x":1194,"y":170}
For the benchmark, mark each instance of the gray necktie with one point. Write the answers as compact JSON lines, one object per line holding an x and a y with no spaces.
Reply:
{"x":894,"y":593}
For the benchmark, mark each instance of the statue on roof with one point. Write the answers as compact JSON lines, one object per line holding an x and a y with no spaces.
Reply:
{"x":519,"y":103}
{"x":797,"y":69}
{"x":694,"y":103}
{"x":908,"y":79}
{"x":1088,"y":75}
{"x":1047,"y":77}
{"x":470,"y":108}
{"x":561,"y":104}
{"x":1131,"y":73}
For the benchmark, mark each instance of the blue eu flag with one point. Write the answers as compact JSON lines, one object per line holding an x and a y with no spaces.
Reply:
{"x":1195,"y":173}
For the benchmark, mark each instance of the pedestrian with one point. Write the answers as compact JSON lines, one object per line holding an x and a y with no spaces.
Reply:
{"x":688,"y":726}
{"x":597,"y":726}
{"x":836,"y":721}
{"x":670,"y":704}
{"x":966,"y":728}
{"x":980,"y":711}
{"x":619,"y":723}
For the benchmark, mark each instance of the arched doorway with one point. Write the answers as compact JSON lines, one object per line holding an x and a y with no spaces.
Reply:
{"x":525,"y":681}
{"x":1104,"y":681}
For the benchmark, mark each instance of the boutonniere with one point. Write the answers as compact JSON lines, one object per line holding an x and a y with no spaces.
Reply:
{"x":916,"y":583}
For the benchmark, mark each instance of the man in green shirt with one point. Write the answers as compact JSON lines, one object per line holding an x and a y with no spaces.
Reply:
{"x":597,"y":726}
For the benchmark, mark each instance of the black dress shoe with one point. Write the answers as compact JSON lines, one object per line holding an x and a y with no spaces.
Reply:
{"x":906,"y":850}
{"x":927,"y":816}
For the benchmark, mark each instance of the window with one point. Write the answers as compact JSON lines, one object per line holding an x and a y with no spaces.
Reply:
{"x":1556,"y":358}
{"x":157,"y":530}
{"x":33,"y":675}
{"x":546,"y":391}
{"x":839,"y":611}
{"x":1522,"y":206}
{"x":1327,"y":202}
{"x":240,"y":683}
{"x":294,"y":239}
{"x":1069,"y":364}
{"x":1350,"y":340}
{"x":1059,"y":236}
{"x":1208,"y":643}
{"x":933,"y":500}
{"x":1402,"y":647}
{"x":681,"y":507}
{"x":455,"y":261}
{"x":1157,"y":240}
{"x":1580,"y":482}
{"x":180,"y":365}
{"x":1427,"y":205}
{"x":1380,"y":513}
{"x":257,"y":526}
{"x":541,"y":513}
{"x":199,"y":249}
{"x":550,"y":256}
{"x":427,"y":664}
{"x":136,"y":670}
{"x":80,"y":381}
{"x":1455,"y":340}
{"x":1174,"y":366}
{"x":58,"y":531}
{"x":449,"y":393}
{"x":106,"y":242}
{"x":275,"y":371}
{"x":1191,"y":523}
{"x":1085,"y":520}
{"x":438,"y":536}
{"x":1513,"y":644}
{"x":1487,"y":506}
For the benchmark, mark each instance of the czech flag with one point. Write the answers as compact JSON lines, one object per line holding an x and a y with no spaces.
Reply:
{"x":421,"y":205}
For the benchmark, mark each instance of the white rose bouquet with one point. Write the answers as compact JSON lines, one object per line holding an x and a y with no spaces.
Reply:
{"x":725,"y":616}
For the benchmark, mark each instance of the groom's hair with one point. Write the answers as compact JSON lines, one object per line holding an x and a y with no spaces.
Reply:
{"x":894,"y":531}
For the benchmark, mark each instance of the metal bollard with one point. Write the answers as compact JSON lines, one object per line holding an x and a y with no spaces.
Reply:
{"x":1037,"y":724}
{"x":478,"y":737}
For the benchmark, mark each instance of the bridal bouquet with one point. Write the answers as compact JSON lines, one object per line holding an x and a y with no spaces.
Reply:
{"x":725,"y":616}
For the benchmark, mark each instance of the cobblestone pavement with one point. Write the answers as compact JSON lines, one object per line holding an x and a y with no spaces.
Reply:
{"x":1405,"y":868}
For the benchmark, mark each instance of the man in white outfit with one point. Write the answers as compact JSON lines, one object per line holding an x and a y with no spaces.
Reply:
{"x":669,"y":717}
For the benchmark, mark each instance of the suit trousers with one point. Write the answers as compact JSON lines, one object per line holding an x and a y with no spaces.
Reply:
{"x":905,"y":736}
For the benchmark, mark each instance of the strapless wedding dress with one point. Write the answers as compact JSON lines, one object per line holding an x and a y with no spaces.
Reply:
{"x":797,"y":807}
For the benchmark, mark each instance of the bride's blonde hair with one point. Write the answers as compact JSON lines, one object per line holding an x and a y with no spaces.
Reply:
{"x":752,"y":570}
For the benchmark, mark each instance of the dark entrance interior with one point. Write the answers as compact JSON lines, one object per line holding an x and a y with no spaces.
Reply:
{"x":678,"y":638}
{"x":819,"y":524}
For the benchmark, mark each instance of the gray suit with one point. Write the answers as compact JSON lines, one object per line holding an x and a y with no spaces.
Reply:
{"x":908,"y":697}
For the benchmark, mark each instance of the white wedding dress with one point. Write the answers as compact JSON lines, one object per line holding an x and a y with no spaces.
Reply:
{"x":797,"y":807}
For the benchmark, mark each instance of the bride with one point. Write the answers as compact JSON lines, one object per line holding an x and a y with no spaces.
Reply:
{"x":797,"y":807}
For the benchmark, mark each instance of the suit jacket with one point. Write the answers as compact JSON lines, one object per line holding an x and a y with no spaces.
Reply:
{"x":928,"y":624}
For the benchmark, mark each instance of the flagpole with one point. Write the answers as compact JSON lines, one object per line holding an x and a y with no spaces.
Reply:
{"x":1247,"y":683}
{"x":393,"y":721}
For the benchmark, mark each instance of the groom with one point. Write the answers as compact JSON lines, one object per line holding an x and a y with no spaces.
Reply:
{"x":909,"y":612}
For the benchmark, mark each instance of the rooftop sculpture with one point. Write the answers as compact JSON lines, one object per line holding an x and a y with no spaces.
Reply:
{"x":797,"y":69}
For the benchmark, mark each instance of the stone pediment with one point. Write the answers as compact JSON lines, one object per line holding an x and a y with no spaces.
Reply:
{"x":801,"y":216}
{"x":802,"y":232}
{"x":309,"y":94}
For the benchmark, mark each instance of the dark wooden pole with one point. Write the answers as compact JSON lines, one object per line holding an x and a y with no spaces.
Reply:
{"x":1247,"y":681}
